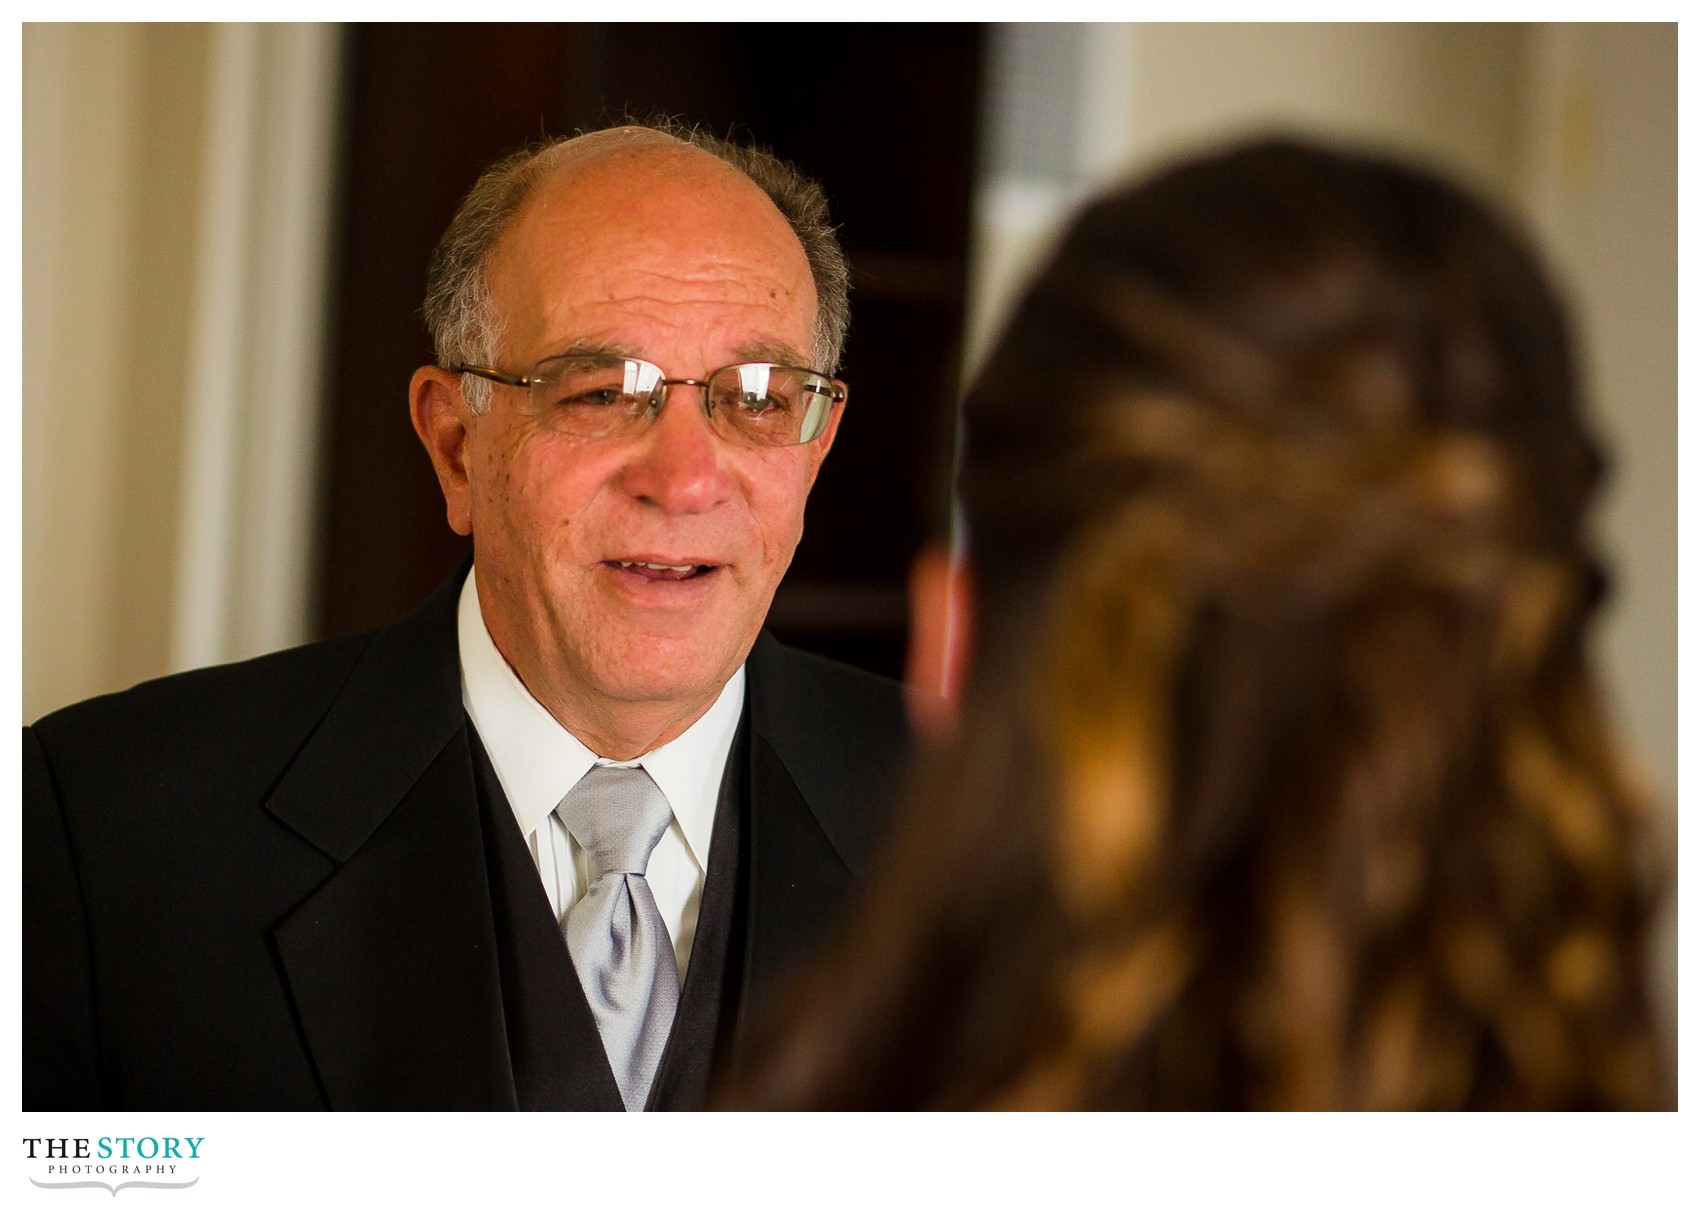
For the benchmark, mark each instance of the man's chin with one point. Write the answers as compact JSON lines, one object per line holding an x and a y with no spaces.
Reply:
{"x":680,"y":666}
{"x":664,"y":675}
{"x":660,"y":690}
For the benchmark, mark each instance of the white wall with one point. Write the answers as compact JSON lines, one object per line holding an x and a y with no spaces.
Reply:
{"x":1450,"y":94}
{"x":176,"y":185}
{"x":1600,"y":189}
{"x":112,"y":123}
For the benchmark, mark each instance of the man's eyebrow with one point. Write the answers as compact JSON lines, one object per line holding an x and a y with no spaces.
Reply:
{"x":750,"y":351}
{"x":596,"y":349}
{"x":767,"y":351}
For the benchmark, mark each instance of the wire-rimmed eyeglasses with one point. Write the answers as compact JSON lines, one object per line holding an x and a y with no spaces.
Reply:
{"x":600,"y":396}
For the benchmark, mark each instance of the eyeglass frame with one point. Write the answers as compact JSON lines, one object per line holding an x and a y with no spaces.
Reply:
{"x":663,"y":386}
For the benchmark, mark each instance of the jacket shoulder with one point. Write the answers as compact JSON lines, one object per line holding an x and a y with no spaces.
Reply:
{"x":800,"y":688}
{"x":206,"y":719}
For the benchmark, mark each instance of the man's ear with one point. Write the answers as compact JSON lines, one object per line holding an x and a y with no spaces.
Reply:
{"x":941,"y":613}
{"x":440,"y":420}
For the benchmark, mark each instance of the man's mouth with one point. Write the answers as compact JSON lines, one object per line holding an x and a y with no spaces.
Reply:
{"x":655,"y":570}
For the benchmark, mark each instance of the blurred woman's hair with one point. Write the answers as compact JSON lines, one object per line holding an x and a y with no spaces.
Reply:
{"x":1281,"y":779}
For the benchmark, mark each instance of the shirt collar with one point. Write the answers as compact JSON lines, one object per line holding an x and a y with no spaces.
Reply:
{"x":537,"y":760}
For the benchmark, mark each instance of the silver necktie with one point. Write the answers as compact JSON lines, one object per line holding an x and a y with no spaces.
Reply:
{"x":619,"y":943}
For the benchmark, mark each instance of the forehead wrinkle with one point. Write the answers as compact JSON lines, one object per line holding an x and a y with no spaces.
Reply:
{"x":758,"y":350}
{"x":576,"y":326}
{"x":659,"y":281}
{"x":661,"y":273}
{"x":595,"y":349}
{"x":748,"y":351}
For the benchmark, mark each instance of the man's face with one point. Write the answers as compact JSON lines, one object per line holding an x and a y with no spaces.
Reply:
{"x":669,"y":255}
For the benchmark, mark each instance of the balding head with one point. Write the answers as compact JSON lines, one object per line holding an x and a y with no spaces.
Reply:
{"x":465,"y":328}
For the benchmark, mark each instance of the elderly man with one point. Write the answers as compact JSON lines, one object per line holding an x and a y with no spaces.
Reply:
{"x":539,"y":844}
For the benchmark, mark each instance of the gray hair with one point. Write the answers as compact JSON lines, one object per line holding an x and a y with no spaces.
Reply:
{"x":462,"y":317}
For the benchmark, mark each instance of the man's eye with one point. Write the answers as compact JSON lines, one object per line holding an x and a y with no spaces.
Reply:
{"x":595,"y":397}
{"x":749,"y":402}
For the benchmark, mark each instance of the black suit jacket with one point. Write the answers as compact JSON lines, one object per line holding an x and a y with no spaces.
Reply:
{"x":264,"y":885}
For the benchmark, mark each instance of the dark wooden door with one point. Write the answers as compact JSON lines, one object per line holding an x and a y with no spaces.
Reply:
{"x":884,"y":116}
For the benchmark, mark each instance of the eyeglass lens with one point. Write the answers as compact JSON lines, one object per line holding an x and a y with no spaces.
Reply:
{"x":758,"y":403}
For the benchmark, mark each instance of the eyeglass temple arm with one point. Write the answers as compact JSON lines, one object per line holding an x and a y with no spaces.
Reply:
{"x":491,"y":373}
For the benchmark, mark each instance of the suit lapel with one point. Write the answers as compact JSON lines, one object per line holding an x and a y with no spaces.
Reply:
{"x":797,"y":878}
{"x":702,"y":1029}
{"x":822,"y":768}
{"x":392,"y":961}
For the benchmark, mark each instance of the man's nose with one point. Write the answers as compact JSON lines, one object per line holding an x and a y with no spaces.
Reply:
{"x":678,"y":461}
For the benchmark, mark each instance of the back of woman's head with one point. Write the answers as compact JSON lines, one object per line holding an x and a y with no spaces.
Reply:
{"x":1280,"y":780}
{"x":1313,"y":298}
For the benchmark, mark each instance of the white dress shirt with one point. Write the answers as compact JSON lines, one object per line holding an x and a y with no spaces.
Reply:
{"x":538,"y":761}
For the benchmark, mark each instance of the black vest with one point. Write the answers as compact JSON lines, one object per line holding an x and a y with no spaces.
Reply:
{"x":553,"y":1045}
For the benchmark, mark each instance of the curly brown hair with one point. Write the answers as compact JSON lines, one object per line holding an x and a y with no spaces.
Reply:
{"x":1281,"y":779}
